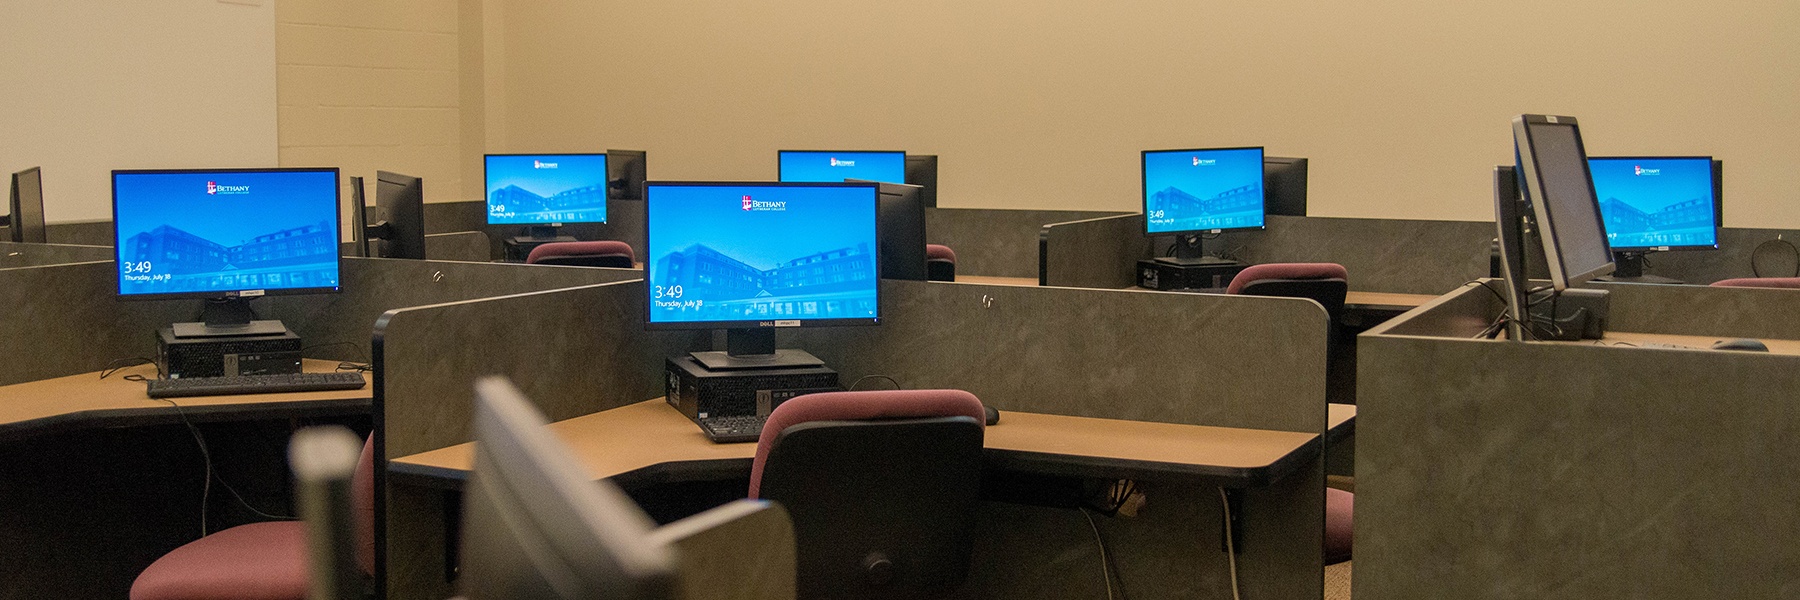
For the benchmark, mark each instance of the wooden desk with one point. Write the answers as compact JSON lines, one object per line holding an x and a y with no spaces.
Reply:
{"x":86,"y":400}
{"x":651,"y":439}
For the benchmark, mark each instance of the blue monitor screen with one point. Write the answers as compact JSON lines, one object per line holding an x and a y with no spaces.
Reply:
{"x":534,"y":189}
{"x":825,"y":165}
{"x":1189,"y":191}
{"x":222,"y":232}
{"x":1656,"y":202}
{"x":769,"y":254}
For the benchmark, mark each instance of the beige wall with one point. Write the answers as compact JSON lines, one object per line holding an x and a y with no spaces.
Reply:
{"x":1402,"y":105}
{"x":372,"y":85}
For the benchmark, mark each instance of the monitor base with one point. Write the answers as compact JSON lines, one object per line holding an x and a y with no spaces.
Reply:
{"x":781,"y":359}
{"x":253,"y":328}
{"x":1202,"y":261}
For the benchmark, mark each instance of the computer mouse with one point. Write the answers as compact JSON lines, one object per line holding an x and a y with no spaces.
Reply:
{"x":993,"y":415}
{"x":1745,"y":344}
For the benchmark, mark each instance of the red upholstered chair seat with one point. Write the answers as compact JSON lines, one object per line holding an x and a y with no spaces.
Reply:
{"x":1260,"y":272}
{"x":1761,"y":282}
{"x":259,"y":561}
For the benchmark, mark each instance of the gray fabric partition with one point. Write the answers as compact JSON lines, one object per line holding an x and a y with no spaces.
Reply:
{"x":1494,"y":469}
{"x":467,"y":246}
{"x":1225,"y":361}
{"x":995,"y":242}
{"x":1093,"y":253}
{"x":1704,"y":310}
{"x":14,"y":255}
{"x":66,"y":319}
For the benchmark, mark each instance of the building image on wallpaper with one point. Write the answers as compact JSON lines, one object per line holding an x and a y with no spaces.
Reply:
{"x":1683,"y":223}
{"x":837,"y":283}
{"x":303,"y":256}
{"x":1236,"y":207}
{"x":582,"y":204}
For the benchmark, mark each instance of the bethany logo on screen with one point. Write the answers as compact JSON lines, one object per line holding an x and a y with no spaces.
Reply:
{"x":1204,"y":162}
{"x":1640,"y":171}
{"x":214,"y":189}
{"x":842,"y":163}
{"x":762,"y":205}
{"x":538,"y":164}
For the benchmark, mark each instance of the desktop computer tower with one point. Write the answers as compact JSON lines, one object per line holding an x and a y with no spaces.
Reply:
{"x":181,"y":358}
{"x":701,"y":393}
{"x":1158,"y":275}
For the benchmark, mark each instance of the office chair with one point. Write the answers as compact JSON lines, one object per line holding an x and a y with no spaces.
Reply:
{"x":1327,"y":284}
{"x":882,"y":487}
{"x":613,"y":254}
{"x":1760,"y":282}
{"x":940,"y":263}
{"x":258,"y":561}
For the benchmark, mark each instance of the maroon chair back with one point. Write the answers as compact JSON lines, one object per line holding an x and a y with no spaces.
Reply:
{"x":1325,"y":283}
{"x":1761,"y":282}
{"x":882,"y":488}
{"x":605,"y":253}
{"x":940,"y":263}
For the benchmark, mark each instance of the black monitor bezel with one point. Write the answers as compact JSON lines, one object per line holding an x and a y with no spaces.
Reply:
{"x":337,"y":217}
{"x":1144,"y":191}
{"x":1715,"y":168}
{"x":37,"y":231}
{"x":778,"y":153}
{"x":1548,"y":230}
{"x":605,"y":184}
{"x":650,"y":261}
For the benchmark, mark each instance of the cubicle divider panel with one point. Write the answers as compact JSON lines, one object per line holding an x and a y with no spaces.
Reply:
{"x":1199,"y":359}
{"x":97,"y":232}
{"x":1492,"y":469}
{"x":15,"y":255}
{"x":1704,"y":310}
{"x":1382,"y":255}
{"x":467,"y":246}
{"x":1093,"y":253}
{"x":995,"y":242}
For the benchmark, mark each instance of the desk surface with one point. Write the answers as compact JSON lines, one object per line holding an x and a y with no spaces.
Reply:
{"x":1696,"y":342}
{"x":652,"y":439}
{"x":84,"y":400}
{"x":1360,"y":300}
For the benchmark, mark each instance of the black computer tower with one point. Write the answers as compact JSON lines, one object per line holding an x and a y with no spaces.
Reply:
{"x":180,"y":358}
{"x":700,"y":393}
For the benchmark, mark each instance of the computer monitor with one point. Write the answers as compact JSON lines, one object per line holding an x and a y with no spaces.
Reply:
{"x":626,"y":171}
{"x":543,"y":191}
{"x":226,"y":235}
{"x":1654,"y":204}
{"x":1284,"y":186}
{"x":1553,"y":170}
{"x":1188,"y":193}
{"x":359,"y":219}
{"x":838,"y":165}
{"x":400,"y":199}
{"x":901,"y":221}
{"x":27,"y":201}
{"x":537,"y":527}
{"x":754,"y":257}
{"x":922,"y":171}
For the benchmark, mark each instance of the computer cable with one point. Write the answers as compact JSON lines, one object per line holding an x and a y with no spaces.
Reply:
{"x":1230,"y":552}
{"x":114,"y":367}
{"x":1105,"y":561}
{"x":1771,"y":249}
{"x":211,"y":475}
{"x":860,"y":380}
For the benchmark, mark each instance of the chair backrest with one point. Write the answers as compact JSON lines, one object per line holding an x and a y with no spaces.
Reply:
{"x":940,"y":263}
{"x":882,"y":488}
{"x":1325,"y":283}
{"x":362,"y":500}
{"x":1760,"y":282}
{"x":604,"y":253}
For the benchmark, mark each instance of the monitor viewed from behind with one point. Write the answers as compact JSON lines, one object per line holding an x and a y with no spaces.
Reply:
{"x":901,"y":217}
{"x":359,"y":219}
{"x":1655,"y":204}
{"x":537,"y":527}
{"x":400,"y":201}
{"x":922,"y":171}
{"x":838,"y":165}
{"x":227,"y":236}
{"x":1284,"y":186}
{"x":626,"y":171}
{"x":1553,"y":169}
{"x":753,"y":257}
{"x":1188,"y":193}
{"x":27,"y":201}
{"x":544,"y":191}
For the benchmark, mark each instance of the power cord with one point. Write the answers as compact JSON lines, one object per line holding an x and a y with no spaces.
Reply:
{"x":363,"y":366}
{"x":860,"y":380}
{"x":1105,"y":561}
{"x":1762,"y":253}
{"x":206,"y":487}
{"x":1230,"y":552}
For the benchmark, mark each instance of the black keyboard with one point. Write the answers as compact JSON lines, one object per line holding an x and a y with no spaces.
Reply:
{"x":726,"y":430}
{"x":255,"y":384}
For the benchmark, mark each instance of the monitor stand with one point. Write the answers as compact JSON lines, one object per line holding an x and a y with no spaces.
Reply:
{"x":1628,"y":267}
{"x":754,"y":349}
{"x":228,"y":317}
{"x":1189,"y":253}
